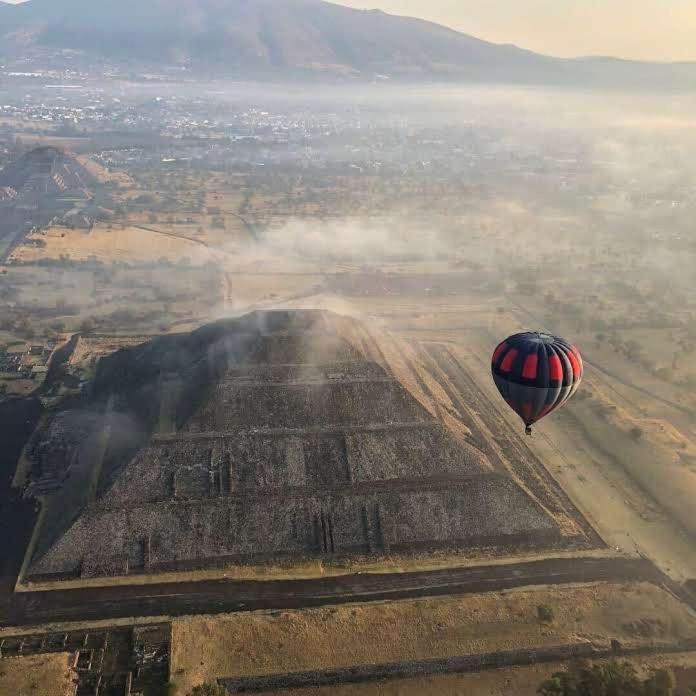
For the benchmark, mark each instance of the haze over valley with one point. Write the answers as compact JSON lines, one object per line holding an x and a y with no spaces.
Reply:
{"x":255,"y":258}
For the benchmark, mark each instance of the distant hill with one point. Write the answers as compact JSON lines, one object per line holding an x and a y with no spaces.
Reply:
{"x":300,"y":37}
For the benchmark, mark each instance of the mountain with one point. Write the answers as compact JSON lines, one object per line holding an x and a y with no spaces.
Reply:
{"x":250,"y":37}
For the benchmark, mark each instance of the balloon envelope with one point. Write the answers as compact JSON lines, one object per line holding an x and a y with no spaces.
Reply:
{"x":536,"y":373}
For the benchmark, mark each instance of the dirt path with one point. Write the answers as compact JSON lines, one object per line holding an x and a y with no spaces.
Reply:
{"x":193,"y":240}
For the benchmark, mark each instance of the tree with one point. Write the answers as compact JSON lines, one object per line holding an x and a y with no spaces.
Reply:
{"x":25,"y":329}
{"x":545,"y":613}
{"x":636,"y":432}
{"x":665,"y":373}
{"x":633,"y":350}
{"x":611,"y":678}
{"x":209,"y":689}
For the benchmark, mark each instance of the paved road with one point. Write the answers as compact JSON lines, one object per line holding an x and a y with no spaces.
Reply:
{"x":219,"y":596}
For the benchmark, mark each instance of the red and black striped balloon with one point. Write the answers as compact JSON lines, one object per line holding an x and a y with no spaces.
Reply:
{"x":536,"y":373}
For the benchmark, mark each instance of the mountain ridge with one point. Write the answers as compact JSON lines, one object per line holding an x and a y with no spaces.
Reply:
{"x":240,"y":37}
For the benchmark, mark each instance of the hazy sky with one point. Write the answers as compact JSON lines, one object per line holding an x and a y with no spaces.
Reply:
{"x":647,"y":29}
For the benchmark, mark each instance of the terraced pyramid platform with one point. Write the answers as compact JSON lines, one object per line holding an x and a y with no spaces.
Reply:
{"x":270,"y":437}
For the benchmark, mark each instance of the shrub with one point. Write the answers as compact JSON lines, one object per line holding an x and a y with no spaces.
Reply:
{"x":636,"y":432}
{"x":209,"y":689}
{"x":545,"y":613}
{"x":583,"y":678}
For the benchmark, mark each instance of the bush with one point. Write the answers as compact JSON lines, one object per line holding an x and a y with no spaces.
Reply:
{"x":583,"y":678}
{"x":636,"y":432}
{"x":665,"y":373}
{"x":209,"y":689}
{"x":25,"y":329}
{"x":545,"y":613}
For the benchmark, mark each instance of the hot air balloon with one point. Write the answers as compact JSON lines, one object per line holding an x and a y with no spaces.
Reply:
{"x":536,"y":373}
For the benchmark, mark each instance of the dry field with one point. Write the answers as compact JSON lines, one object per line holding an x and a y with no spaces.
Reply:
{"x":264,"y":643}
{"x":228,"y":200}
{"x":199,"y":227}
{"x":661,"y":461}
{"x":229,"y":237}
{"x":104,"y":175}
{"x":36,"y":675}
{"x":19,"y":387}
{"x":129,"y":244}
{"x":243,"y":291}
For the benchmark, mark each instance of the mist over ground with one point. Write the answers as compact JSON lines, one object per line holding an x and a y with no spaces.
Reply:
{"x":583,"y":200}
{"x":444,"y":219}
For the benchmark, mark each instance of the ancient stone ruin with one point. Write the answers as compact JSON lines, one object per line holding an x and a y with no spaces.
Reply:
{"x":275,"y":436}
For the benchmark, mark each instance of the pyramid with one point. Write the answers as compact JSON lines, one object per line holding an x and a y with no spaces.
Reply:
{"x":47,"y":171}
{"x":275,"y":436}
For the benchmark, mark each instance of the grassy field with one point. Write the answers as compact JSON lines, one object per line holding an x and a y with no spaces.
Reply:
{"x":264,"y":643}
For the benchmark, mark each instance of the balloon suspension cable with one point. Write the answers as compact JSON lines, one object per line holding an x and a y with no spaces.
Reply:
{"x":528,"y":430}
